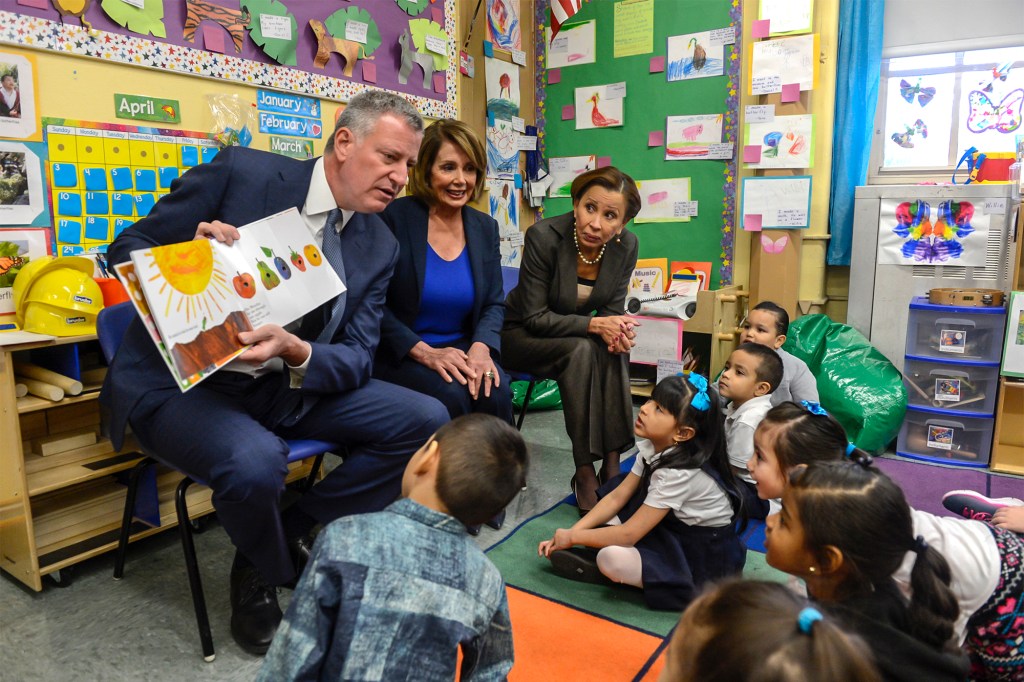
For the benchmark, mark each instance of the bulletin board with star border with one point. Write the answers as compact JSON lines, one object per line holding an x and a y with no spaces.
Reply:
{"x":230,"y":50}
{"x":650,"y":99}
{"x":105,"y":176}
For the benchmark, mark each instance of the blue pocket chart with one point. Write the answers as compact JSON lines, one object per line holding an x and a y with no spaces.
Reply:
{"x":97,"y":228}
{"x":167,"y":176}
{"x":209,"y":153}
{"x":120,"y":225}
{"x":96,"y":203}
{"x":189,"y":155}
{"x":95,"y":179}
{"x":144,"y":204}
{"x":145,"y":180}
{"x":121,"y":179}
{"x":65,"y":175}
{"x":69,"y":231}
{"x":69,"y":203}
{"x":121,"y":204}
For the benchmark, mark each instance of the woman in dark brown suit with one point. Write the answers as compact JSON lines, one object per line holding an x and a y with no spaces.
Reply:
{"x":565,"y":319}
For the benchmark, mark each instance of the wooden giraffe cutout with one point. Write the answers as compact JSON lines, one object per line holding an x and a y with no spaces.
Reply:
{"x":349,"y":50}
{"x":411,"y":57}
{"x":231,"y":20}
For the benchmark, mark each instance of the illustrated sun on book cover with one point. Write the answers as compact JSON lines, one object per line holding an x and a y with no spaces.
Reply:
{"x":196,"y":297}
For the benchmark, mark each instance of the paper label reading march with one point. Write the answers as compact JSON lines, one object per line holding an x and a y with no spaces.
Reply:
{"x":759,"y":113}
{"x":952,"y":341}
{"x":356,"y":31}
{"x":947,"y":390}
{"x":440,"y":45}
{"x":276,"y":27}
{"x":766,"y":85}
{"x":940,"y":437}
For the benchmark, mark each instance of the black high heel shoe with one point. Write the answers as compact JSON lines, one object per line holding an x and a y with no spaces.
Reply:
{"x":572,"y":486}
{"x":498,"y":521}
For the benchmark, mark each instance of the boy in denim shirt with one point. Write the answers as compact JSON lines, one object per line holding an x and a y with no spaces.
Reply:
{"x":394,"y":594}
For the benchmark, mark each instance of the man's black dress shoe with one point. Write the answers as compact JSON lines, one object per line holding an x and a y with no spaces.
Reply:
{"x":255,"y":613}
{"x":300,"y":549}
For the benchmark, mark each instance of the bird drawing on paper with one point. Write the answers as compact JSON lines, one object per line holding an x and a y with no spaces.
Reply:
{"x":699,"y":55}
{"x":598,"y":118}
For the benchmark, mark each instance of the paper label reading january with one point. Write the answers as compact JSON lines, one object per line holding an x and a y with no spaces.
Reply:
{"x":723,"y":36}
{"x":940,"y":437}
{"x":440,"y":45}
{"x":952,"y":341}
{"x":684,"y":209}
{"x":356,"y":31}
{"x":791,"y":217}
{"x":766,"y":85}
{"x":272,"y":26}
{"x":527,"y":143}
{"x":519,"y":57}
{"x":947,"y":390}
{"x":518,"y":124}
{"x":720,"y":150}
{"x":759,"y":113}
{"x":616,"y":91}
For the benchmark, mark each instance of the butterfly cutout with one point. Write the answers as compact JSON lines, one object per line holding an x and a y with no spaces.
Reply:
{"x":999,"y":73}
{"x":904,"y":139}
{"x":984,"y":115}
{"x":777,"y":246}
{"x":928,"y":242}
{"x":924,"y":95}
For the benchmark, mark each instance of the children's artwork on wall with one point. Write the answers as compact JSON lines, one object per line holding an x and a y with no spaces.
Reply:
{"x":1013,"y":351}
{"x":19,"y":117}
{"x":502,"y":150}
{"x":600,"y":106}
{"x":429,"y":36}
{"x":786,"y":142}
{"x":503,"y":205}
{"x":774,"y":63}
{"x":634,"y":28}
{"x":233,"y":21}
{"x":146,"y":18}
{"x":17,"y":249}
{"x":23,"y":198}
{"x":914,"y":232}
{"x":908,"y":92}
{"x":688,"y":137}
{"x":693,"y":56}
{"x":511,"y":250}
{"x":503,"y":28}
{"x":906,"y":138}
{"x":787,"y":16}
{"x":564,"y":170}
{"x":776,"y":202}
{"x":774,"y":246}
{"x":333,"y":34}
{"x":575,"y":44}
{"x":502,"y":88}
{"x":659,"y":199}
{"x":985,"y":113}
{"x":413,"y":7}
{"x":273,"y":28}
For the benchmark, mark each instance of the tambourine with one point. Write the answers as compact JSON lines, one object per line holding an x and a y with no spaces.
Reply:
{"x":968,"y":298}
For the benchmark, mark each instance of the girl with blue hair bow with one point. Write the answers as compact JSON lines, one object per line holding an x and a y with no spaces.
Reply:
{"x":668,"y":525}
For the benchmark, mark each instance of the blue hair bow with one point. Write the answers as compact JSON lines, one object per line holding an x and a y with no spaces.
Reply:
{"x":806,"y":618}
{"x":700,"y":400}
{"x":814,"y":408}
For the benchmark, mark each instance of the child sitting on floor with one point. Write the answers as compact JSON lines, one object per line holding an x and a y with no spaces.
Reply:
{"x":767,"y":324}
{"x":751,"y":374}
{"x":1001,"y":512}
{"x":744,"y":630}
{"x":844,"y":529}
{"x":394,"y":594}
{"x":985,"y":560}
{"x":671,"y":518}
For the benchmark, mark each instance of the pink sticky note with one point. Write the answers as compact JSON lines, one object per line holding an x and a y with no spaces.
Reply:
{"x":439,"y":82}
{"x":604,"y":161}
{"x":38,"y":4}
{"x":656,"y":138}
{"x":751,"y":153}
{"x":791,"y":92}
{"x":369,"y":71}
{"x":554,"y":76}
{"x":760,"y":28}
{"x":568,"y":112}
{"x":213,"y":39}
{"x":658,"y":64}
{"x":752,"y":222}
{"x":437,"y":14}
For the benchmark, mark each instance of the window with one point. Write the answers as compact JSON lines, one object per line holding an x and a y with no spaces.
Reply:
{"x":933,"y":107}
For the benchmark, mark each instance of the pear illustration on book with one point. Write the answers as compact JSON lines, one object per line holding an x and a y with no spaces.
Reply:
{"x":279,"y":262}
{"x":267,"y":276}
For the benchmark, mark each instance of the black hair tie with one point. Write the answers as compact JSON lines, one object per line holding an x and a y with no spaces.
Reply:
{"x":920,"y":546}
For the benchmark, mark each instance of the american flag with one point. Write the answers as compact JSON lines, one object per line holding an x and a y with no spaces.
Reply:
{"x":561,"y":12}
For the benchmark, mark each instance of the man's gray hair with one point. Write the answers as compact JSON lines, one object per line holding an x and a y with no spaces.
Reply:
{"x":365,"y":109}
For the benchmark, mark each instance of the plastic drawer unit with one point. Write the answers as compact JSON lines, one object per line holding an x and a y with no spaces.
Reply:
{"x":938,"y":436}
{"x":951,"y":332}
{"x":964,"y":387}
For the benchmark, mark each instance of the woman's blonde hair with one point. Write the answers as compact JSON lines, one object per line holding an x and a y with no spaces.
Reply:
{"x":460,"y":135}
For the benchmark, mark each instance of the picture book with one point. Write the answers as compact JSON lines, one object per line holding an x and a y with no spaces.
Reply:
{"x":197,"y":296}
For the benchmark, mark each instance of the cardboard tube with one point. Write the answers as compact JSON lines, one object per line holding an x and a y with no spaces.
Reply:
{"x":67,"y":384}
{"x":20,"y":390}
{"x":42,"y":389}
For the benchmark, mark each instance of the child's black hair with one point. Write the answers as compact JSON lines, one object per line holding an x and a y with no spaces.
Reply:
{"x":675,"y":395}
{"x":804,"y":436}
{"x":781,"y":316}
{"x":769,"y":364}
{"x":857,"y":509}
{"x":483,"y":465}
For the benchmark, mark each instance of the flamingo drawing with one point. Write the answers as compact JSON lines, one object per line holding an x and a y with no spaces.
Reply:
{"x":597,"y":118}
{"x":699,"y":55}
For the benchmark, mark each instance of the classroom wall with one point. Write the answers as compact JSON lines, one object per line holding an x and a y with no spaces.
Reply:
{"x":926,"y":26}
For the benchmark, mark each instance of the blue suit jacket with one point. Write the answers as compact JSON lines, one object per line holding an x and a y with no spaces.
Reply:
{"x":238,"y":187}
{"x":407,"y":217}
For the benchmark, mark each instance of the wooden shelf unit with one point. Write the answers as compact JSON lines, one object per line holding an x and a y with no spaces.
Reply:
{"x":1008,"y":439}
{"x":58,"y":510}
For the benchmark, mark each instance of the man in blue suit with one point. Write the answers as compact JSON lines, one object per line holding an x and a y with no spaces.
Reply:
{"x":309,"y":380}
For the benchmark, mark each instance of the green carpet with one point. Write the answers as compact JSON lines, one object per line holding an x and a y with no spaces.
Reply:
{"x":516,"y":557}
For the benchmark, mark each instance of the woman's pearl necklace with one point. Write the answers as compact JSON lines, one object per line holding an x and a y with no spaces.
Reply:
{"x":576,"y":239}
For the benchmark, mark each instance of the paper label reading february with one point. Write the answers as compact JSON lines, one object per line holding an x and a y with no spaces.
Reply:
{"x":272,"y":26}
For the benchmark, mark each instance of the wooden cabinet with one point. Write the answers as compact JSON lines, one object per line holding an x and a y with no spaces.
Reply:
{"x":64,"y":508}
{"x":1008,"y":440}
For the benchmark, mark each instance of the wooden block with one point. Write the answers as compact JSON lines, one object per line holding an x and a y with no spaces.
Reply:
{"x":69,"y":385}
{"x":76,"y":417}
{"x":51,"y":445}
{"x":94,"y":376}
{"x":42,"y":389}
{"x":33,"y":425}
{"x":20,"y":390}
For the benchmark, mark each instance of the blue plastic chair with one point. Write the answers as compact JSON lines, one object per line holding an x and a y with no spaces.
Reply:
{"x":111,"y":325}
{"x":509,"y":280}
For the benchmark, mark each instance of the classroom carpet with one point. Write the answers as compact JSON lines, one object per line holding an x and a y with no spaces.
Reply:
{"x":568,"y":630}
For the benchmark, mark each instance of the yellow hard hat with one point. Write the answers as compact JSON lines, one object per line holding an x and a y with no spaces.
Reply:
{"x":42,"y":318}
{"x":66,"y":288}
{"x":37,"y":267}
